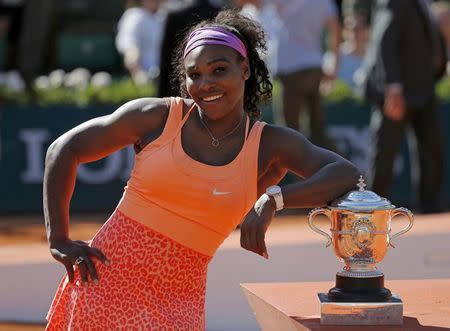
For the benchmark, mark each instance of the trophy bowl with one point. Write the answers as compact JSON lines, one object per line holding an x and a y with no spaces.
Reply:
{"x":360,"y":234}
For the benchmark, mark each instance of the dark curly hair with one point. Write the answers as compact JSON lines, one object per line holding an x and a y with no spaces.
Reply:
{"x":258,"y":88}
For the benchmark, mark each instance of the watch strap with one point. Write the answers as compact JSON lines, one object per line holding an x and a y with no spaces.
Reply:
{"x":278,"y":201}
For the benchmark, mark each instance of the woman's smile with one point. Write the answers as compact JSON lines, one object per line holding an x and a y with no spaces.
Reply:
{"x":212,"y":98}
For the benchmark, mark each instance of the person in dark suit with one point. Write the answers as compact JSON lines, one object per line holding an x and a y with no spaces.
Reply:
{"x":177,"y":23}
{"x":405,"y":58}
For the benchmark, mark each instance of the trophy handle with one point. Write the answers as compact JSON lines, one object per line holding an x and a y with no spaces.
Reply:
{"x":407,"y":213}
{"x":314,"y":213}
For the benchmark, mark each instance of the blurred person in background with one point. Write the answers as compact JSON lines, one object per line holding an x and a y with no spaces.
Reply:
{"x":177,"y":23}
{"x":441,"y":11}
{"x":263,"y":11}
{"x":139,"y":39}
{"x":11,"y":17}
{"x":360,"y":8}
{"x":38,"y":24}
{"x":355,"y":35}
{"x":299,"y":61}
{"x":405,"y":58}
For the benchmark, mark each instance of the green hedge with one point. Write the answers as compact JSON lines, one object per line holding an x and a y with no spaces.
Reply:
{"x":120,"y":91}
{"x":123,"y":90}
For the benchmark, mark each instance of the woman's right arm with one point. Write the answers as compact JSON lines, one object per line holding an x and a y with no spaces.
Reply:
{"x":89,"y":142}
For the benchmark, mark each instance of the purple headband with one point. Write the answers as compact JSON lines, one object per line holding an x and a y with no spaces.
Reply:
{"x":212,"y":35}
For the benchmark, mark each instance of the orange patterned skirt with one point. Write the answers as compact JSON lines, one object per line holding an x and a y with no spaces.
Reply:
{"x":152,"y":283}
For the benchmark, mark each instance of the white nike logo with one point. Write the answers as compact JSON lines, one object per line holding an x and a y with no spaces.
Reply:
{"x":215,"y":192}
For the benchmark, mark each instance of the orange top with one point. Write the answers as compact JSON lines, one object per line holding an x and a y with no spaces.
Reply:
{"x":195,"y":204}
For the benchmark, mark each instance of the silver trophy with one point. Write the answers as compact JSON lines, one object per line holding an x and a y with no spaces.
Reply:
{"x":361,"y":235}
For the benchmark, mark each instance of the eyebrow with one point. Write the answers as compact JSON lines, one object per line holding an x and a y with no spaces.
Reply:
{"x":219,"y":59}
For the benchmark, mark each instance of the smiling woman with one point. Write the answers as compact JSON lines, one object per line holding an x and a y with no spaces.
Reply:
{"x":204,"y":164}
{"x":250,"y":37}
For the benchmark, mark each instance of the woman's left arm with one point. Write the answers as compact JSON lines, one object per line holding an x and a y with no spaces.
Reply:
{"x":325,"y":174}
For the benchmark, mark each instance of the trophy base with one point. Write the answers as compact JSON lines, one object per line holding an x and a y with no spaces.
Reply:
{"x":361,"y":313}
{"x":352,"y":289}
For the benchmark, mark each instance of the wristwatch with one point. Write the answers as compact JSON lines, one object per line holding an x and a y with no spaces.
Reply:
{"x":275,"y":192}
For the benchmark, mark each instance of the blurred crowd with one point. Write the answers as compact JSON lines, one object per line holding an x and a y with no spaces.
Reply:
{"x":391,"y":52}
{"x":148,"y":29}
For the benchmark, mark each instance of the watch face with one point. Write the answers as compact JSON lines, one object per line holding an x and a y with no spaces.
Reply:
{"x":273,"y":190}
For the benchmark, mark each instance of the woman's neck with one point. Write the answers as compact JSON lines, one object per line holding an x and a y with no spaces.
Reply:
{"x":224,"y":125}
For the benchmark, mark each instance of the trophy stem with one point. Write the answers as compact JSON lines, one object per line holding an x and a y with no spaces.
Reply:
{"x":360,"y":270}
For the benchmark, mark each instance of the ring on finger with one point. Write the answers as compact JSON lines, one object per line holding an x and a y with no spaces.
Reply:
{"x":79,"y":260}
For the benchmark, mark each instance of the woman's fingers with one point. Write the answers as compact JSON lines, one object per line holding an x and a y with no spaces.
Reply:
{"x":87,"y":267}
{"x":261,"y":244}
{"x":252,"y":238}
{"x":78,"y":254}
{"x":245,"y":238}
{"x":69,"y":269}
{"x":99,"y":255}
{"x":91,"y":270}
{"x":82,"y":268}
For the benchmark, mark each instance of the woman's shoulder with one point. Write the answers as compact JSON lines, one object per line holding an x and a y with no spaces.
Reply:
{"x":277,"y":138}
{"x":146,"y":116}
{"x":273,"y":132}
{"x":146,"y":106}
{"x":144,"y":113}
{"x":164,"y":106}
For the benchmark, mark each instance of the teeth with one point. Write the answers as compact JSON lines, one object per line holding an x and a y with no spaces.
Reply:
{"x":213,"y":98}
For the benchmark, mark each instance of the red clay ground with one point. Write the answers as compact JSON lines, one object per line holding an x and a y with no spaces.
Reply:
{"x":30,"y":230}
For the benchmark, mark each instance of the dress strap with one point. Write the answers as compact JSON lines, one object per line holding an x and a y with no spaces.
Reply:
{"x":175,"y":106}
{"x":247,"y":127}
{"x":184,"y":119}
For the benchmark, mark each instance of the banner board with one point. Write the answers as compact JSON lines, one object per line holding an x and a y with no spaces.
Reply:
{"x":27,"y":132}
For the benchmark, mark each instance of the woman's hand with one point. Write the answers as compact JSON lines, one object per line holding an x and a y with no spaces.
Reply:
{"x":78,"y":253}
{"x":255,"y":225}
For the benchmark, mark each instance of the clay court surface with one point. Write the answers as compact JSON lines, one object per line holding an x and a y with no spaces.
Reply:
{"x":22,"y":230}
{"x":18,"y":234}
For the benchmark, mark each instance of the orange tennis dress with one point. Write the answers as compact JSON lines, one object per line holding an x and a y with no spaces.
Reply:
{"x":173,"y":216}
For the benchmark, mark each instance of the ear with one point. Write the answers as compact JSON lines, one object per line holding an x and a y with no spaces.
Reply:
{"x":245,"y":67}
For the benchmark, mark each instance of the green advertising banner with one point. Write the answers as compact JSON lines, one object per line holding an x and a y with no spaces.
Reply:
{"x":26,"y":133}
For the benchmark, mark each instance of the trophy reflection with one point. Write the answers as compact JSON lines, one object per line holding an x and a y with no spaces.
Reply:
{"x":361,"y":235}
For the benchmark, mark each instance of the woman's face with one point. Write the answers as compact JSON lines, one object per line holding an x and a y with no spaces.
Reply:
{"x":215,"y":79}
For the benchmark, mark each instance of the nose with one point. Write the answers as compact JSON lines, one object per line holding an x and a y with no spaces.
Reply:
{"x":206,"y":83}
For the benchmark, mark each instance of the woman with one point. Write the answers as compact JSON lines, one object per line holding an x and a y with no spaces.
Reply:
{"x":202,"y":166}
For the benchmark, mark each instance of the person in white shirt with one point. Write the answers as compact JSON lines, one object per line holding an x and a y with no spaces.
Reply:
{"x":263,"y":12}
{"x":139,"y":38}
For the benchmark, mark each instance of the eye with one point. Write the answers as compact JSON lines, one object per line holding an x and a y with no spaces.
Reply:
{"x":220,"y":69}
{"x":193,"y":75}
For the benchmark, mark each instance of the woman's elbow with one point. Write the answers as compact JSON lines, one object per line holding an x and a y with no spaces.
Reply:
{"x":350,"y":172}
{"x":60,"y":148}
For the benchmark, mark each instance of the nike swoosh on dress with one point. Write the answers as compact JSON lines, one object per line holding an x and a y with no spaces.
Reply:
{"x":215,"y":192}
